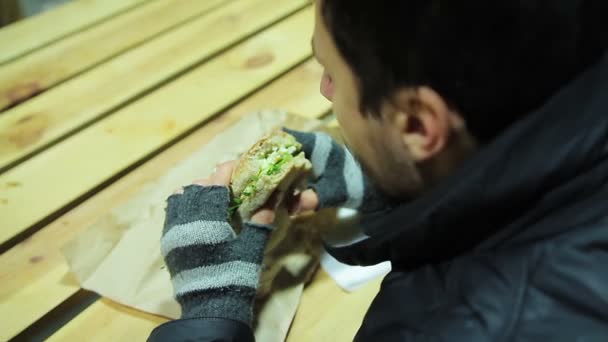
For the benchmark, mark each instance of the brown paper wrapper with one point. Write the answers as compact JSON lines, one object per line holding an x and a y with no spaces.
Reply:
{"x":119,"y":257}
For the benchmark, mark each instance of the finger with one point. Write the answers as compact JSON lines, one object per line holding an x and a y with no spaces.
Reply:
{"x":263,"y":216}
{"x":267,"y":213}
{"x":303,"y":202}
{"x":178,"y":191}
{"x":223,"y":173}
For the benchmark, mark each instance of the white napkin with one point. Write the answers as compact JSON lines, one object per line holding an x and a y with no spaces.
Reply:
{"x":351,"y":277}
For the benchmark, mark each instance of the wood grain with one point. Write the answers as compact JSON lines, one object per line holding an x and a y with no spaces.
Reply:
{"x":28,"y":34}
{"x":35,"y":123}
{"x":42,"y":69}
{"x":326,"y":314}
{"x":106,"y":321}
{"x":34,"y":275}
{"x":61,"y":174}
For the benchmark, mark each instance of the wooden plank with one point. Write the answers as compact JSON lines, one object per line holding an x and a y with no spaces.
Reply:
{"x":313,"y":322}
{"x":34,"y":275}
{"x":42,"y":69}
{"x":325,"y":306}
{"x":59,"y":175}
{"x":30,"y":126}
{"x":31,"y":33}
{"x":106,"y":321}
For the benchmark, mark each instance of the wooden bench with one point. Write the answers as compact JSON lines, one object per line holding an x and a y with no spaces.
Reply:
{"x":97,"y":98}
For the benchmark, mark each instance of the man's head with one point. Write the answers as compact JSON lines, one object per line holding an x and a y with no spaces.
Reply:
{"x":405,"y":77}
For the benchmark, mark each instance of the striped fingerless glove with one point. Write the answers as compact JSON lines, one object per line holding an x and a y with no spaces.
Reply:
{"x":214,"y":272}
{"x":339,"y":180}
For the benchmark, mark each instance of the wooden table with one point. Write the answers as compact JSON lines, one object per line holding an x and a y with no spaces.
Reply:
{"x":100,"y":97}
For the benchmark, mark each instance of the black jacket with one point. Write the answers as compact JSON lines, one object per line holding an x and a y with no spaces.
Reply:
{"x":512,"y":247}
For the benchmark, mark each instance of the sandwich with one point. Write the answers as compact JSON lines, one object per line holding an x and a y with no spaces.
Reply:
{"x":274,"y":165}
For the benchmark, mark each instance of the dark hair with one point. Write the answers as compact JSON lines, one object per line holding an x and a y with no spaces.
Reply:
{"x":493,"y":61}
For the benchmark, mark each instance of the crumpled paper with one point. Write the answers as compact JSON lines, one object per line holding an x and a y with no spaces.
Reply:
{"x":119,"y":257}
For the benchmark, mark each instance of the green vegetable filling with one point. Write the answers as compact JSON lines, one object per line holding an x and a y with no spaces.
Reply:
{"x":276,"y":167}
{"x":250,"y":189}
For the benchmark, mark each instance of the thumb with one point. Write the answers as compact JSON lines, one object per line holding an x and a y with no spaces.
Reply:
{"x":307,"y":200}
{"x":267,"y":213}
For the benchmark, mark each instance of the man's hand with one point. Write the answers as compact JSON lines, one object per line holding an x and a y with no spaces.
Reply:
{"x":302,"y":202}
{"x":338,"y":181}
{"x":214,"y":272}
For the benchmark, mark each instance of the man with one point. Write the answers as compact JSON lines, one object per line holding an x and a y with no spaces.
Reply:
{"x":509,"y":244}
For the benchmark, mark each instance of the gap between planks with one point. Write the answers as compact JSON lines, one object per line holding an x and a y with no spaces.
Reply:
{"x":128,"y":136}
{"x":32,"y":33}
{"x":39,"y":71}
{"x":63,"y":110}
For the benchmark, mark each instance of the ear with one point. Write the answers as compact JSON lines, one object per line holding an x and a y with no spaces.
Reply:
{"x":422,"y":118}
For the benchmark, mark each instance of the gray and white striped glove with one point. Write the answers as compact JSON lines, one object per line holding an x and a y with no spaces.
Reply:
{"x":339,"y":180}
{"x":215,"y":273}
